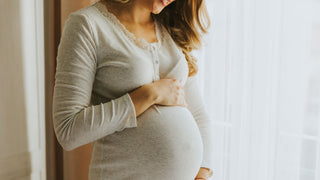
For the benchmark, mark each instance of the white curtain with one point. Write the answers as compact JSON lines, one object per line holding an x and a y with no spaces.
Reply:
{"x":260,"y":78}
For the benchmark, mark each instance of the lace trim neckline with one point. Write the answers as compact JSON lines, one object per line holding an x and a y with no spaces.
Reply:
{"x":141,"y":42}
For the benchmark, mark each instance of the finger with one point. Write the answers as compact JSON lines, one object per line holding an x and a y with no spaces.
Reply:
{"x":177,"y":83}
{"x":180,"y":100}
{"x":181,"y":91}
{"x":186,"y":104}
{"x":183,"y":102}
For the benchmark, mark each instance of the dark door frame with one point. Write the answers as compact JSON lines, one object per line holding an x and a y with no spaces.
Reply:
{"x":52,"y":32}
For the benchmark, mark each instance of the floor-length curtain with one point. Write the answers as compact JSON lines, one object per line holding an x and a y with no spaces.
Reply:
{"x":260,"y":74}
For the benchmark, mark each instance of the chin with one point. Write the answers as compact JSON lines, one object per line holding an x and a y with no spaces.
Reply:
{"x":157,"y":7}
{"x":157,"y":11}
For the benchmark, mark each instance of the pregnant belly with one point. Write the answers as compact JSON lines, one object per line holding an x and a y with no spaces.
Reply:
{"x":166,"y":144}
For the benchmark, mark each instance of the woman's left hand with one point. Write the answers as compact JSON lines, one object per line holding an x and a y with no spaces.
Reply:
{"x":203,"y":174}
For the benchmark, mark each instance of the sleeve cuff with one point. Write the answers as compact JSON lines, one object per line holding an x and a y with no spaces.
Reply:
{"x":132,"y":120}
{"x":207,"y":165}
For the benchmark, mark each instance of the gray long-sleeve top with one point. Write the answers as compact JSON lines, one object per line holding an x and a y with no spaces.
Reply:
{"x":98,"y":63}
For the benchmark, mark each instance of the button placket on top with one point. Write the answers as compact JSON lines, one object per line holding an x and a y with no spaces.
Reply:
{"x":155,"y":59}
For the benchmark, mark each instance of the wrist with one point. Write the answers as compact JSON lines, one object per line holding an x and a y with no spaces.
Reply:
{"x":152,"y":93}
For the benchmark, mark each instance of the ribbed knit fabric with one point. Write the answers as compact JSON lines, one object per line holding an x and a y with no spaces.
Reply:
{"x":98,"y":63}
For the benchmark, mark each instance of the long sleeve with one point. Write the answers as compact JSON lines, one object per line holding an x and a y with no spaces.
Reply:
{"x":200,"y":113}
{"x":75,"y":121}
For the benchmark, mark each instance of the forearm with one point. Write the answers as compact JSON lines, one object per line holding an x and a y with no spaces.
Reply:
{"x":200,"y":113}
{"x":143,"y":98}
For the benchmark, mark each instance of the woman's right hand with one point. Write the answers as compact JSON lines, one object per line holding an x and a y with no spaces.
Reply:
{"x":169,"y":92}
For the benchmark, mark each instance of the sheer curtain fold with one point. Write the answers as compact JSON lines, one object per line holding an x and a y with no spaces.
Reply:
{"x":260,"y":73}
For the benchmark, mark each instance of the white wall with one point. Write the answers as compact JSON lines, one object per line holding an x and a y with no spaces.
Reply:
{"x":22,"y":130}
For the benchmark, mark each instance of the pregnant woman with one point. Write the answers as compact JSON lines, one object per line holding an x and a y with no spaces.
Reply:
{"x":125,"y":80}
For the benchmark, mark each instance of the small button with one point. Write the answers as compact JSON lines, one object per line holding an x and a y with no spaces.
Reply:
{"x":157,"y":61}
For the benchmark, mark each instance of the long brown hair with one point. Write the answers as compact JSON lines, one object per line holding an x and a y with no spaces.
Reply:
{"x":186,"y":21}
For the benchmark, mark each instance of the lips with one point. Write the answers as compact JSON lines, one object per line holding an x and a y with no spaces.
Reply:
{"x":166,"y":2}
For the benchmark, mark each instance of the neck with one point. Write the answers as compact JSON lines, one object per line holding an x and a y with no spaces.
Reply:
{"x":133,"y":12}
